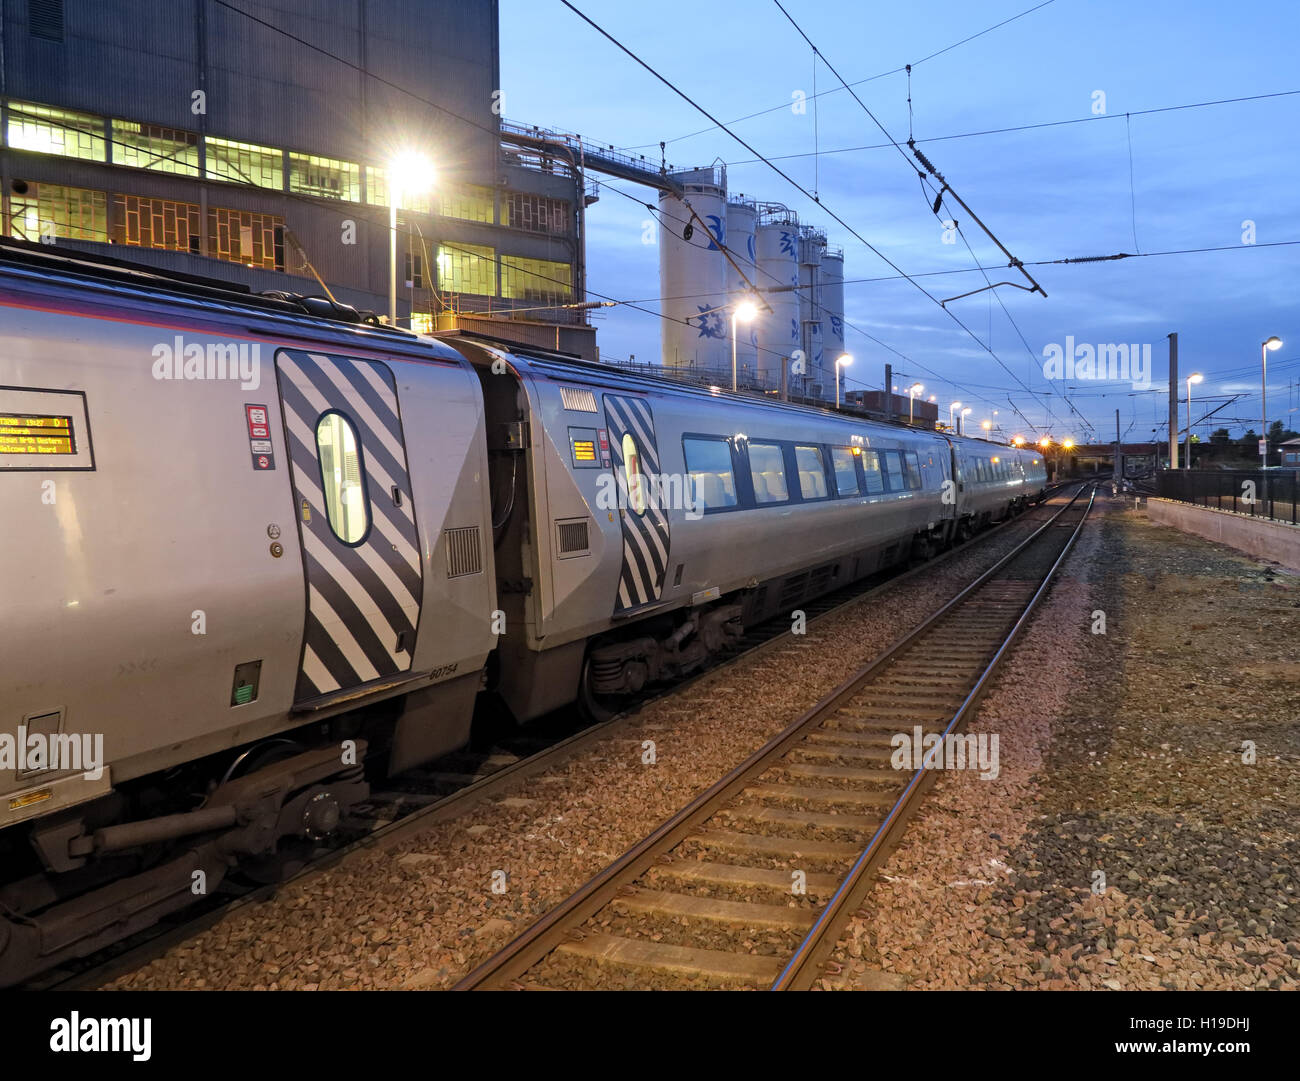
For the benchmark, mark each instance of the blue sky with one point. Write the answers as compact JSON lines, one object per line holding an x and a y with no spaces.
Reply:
{"x":1050,"y":193}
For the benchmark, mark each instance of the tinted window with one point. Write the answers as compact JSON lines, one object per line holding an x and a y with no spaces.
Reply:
{"x":767,"y":468}
{"x":846,"y":470}
{"x":812,"y":472}
{"x":339,"y":451}
{"x":708,"y":462}
{"x":871,"y":472}
{"x":890,"y":459}
{"x":912,"y":467}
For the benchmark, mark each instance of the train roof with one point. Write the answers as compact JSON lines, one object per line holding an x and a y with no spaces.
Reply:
{"x":319,"y":316}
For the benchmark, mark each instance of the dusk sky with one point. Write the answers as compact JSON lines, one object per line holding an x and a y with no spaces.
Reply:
{"x":1054,"y":192}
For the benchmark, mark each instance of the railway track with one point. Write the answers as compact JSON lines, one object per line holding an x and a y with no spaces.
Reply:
{"x":749,"y":885}
{"x":423,"y":797}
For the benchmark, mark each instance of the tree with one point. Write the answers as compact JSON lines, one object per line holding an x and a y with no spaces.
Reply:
{"x":1276,"y":433}
{"x":1219,"y":437}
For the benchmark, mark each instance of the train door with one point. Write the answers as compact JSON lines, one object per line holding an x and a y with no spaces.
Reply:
{"x":642,"y":511}
{"x":356,"y":521}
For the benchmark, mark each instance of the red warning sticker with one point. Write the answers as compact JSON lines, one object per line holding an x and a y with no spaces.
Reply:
{"x":258,"y":422}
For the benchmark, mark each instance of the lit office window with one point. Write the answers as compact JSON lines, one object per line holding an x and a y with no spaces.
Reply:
{"x":244,"y":236}
{"x":377,"y":192}
{"x":467,"y":268}
{"x":244,"y":163}
{"x":143,"y":222}
{"x":468,"y":203}
{"x":56,"y":131}
{"x":325,"y":177}
{"x":49,"y":212}
{"x":148,"y":146}
{"x":535,"y":279}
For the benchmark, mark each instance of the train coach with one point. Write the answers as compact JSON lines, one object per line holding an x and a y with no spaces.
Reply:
{"x":256,"y":546}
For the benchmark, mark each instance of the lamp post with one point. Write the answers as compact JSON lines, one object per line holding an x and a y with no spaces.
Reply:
{"x":408,"y":173}
{"x":961,"y":417}
{"x":912,"y":392}
{"x":842,"y":361}
{"x":987,"y":425}
{"x":953,"y":406}
{"x":744,"y":312}
{"x":1192,"y":379}
{"x":1273,"y":343}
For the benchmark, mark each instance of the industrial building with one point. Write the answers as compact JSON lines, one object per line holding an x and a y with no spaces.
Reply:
{"x":717,"y":251}
{"x":251,"y":143}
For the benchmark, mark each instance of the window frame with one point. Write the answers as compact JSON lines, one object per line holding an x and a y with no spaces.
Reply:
{"x":913,"y":472}
{"x":864,"y":473}
{"x":856,"y":460}
{"x":361,"y":472}
{"x":786,"y":455}
{"x":820,"y":448}
{"x":709,"y":437}
{"x":888,"y":478}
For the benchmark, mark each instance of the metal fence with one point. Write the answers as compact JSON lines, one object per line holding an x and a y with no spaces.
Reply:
{"x":1263,"y":493}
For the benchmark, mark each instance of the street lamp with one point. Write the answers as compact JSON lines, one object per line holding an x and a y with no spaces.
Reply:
{"x":962,"y":416}
{"x":955,"y":405}
{"x":1274,"y":343}
{"x":842,"y":361}
{"x":912,"y":392}
{"x":744,"y":312}
{"x":987,"y":425}
{"x":408,"y":174}
{"x":1192,"y":379}
{"x":1067,"y":444}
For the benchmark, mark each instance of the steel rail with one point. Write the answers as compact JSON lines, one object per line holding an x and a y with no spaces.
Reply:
{"x":523,"y":952}
{"x":803,"y":968}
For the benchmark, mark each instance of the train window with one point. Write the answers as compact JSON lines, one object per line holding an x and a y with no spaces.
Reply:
{"x":871,"y":472}
{"x":912,"y":469}
{"x":708,"y":464}
{"x":636,"y":481}
{"x":342,"y":478}
{"x":767,"y":469}
{"x":892,"y":462}
{"x":846,"y":470}
{"x":812,"y":472}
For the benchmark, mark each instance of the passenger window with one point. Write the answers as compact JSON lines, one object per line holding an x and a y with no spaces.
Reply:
{"x":893,"y":469}
{"x":846,"y":472}
{"x":912,"y":467}
{"x":871,"y":472}
{"x":636,"y":480}
{"x":767,"y":469}
{"x":812,"y":472}
{"x":708,"y":463}
{"x":339,"y":452}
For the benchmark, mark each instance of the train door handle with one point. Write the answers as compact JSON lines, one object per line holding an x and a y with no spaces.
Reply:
{"x":397,"y":496}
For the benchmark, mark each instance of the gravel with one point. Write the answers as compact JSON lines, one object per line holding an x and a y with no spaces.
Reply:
{"x":1122,"y":756}
{"x":422,"y":914}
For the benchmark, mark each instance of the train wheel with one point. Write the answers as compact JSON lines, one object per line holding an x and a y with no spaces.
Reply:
{"x":595,"y":707}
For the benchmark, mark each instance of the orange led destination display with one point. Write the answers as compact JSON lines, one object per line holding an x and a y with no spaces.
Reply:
{"x":24,"y":434}
{"x":584,"y":450}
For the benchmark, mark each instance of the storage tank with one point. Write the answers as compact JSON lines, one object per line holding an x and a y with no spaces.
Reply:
{"x":741,"y":218}
{"x":812,"y":243}
{"x":777,"y":248}
{"x":693,"y":273}
{"x":830,"y":295}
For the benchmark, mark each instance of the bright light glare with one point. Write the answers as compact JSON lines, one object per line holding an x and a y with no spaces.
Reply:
{"x":844,"y":360}
{"x":1195,"y":377}
{"x":1274,"y":343}
{"x":746,"y":311}
{"x":409,"y":173}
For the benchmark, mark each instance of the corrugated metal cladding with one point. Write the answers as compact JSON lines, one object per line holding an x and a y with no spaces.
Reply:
{"x":143,"y":59}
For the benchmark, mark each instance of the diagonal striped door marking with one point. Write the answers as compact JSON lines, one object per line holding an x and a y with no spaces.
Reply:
{"x":645,"y":536}
{"x":361,"y":600}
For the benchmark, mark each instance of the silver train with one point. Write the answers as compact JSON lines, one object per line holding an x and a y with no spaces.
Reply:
{"x":251,"y":544}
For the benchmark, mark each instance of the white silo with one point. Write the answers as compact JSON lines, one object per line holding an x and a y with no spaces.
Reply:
{"x":693,"y":273}
{"x":812,"y":243}
{"x":777,"y":245}
{"x":741,"y":219}
{"x":830,"y":295}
